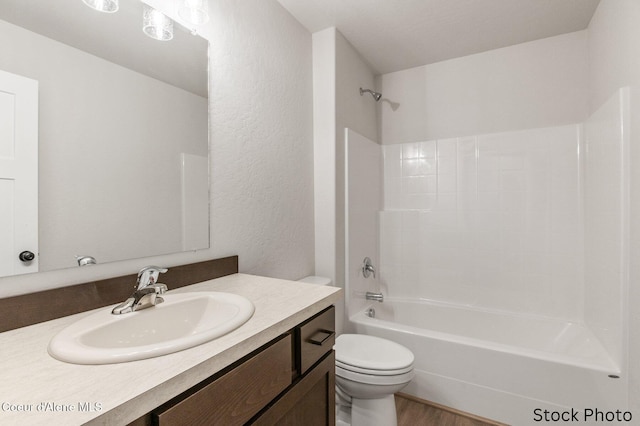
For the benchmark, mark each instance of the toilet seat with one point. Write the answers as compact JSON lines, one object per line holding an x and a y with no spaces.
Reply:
{"x":372,"y":355}
{"x":375,"y":379}
{"x":357,"y":369}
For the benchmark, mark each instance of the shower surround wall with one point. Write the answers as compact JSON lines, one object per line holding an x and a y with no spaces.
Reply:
{"x":527,"y":227}
{"x":606,"y":204}
{"x":478,"y":209}
{"x":363,"y":201}
{"x":485,"y":242}
{"x":490,"y":221}
{"x":531,"y":221}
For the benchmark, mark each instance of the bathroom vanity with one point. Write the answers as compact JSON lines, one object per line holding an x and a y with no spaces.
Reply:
{"x":279,"y":383}
{"x":276,"y":368}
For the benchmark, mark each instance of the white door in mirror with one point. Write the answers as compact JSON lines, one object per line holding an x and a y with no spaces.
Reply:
{"x":18,"y":174}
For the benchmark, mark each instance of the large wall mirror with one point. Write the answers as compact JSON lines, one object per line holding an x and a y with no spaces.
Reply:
{"x":122,"y":135}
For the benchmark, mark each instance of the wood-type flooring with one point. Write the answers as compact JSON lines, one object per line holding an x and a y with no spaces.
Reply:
{"x":412,"y":412}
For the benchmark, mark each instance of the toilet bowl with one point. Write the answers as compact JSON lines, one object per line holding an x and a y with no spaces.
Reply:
{"x":369,"y":370}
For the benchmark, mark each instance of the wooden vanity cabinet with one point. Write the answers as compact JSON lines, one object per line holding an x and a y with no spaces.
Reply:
{"x":289,"y":381}
{"x":235,"y":397}
{"x":311,"y":400}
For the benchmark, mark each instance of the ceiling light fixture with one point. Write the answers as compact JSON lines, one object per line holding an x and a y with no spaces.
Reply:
{"x":156,"y":24}
{"x":194,"y":11}
{"x":107,"y":6}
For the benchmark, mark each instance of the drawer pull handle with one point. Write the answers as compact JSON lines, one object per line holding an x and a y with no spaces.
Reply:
{"x":321,"y":336}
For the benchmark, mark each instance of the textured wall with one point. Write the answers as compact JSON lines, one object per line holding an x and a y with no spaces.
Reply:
{"x":261,"y":138}
{"x":324,"y":146}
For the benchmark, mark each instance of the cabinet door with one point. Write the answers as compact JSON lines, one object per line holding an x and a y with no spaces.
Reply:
{"x":311,"y":402}
{"x":236,"y":396}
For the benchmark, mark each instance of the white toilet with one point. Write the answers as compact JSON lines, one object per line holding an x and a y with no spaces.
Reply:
{"x":369,"y":370}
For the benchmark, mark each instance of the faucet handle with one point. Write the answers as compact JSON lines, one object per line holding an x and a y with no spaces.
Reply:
{"x":149,"y":276}
{"x":158,"y":288}
{"x":368,"y":268}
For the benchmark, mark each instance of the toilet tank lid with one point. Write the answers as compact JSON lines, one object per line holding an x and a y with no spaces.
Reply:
{"x":313,"y":279}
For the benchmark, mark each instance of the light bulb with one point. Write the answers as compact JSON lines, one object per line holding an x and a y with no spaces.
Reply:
{"x":107,"y":6}
{"x":156,"y":24}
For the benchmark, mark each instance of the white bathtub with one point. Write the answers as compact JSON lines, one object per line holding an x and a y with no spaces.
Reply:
{"x":498,"y":365}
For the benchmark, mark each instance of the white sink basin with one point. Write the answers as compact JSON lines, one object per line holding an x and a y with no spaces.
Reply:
{"x":182,"y":321}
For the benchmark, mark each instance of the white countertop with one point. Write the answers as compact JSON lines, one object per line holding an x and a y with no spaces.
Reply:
{"x":33,"y":381}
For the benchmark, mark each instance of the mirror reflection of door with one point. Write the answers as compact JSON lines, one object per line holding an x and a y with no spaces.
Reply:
{"x":18,"y":174}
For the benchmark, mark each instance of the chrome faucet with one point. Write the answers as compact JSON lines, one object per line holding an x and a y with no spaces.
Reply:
{"x":86,"y":260}
{"x":147,"y":291}
{"x":378,"y":297}
{"x":368,"y":268}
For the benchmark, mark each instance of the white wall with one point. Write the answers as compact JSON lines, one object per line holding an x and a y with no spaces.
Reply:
{"x":324,"y":155}
{"x":613,"y":43}
{"x":260,"y":83}
{"x":614,"y":62}
{"x":354,"y":111}
{"x":339,"y":72}
{"x":261,"y":150}
{"x":537,"y":84}
{"x":89,"y":158}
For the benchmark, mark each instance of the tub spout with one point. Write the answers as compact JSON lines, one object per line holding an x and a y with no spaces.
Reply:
{"x":378,"y":297}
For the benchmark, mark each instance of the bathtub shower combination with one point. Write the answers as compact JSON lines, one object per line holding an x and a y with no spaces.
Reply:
{"x":501,"y":259}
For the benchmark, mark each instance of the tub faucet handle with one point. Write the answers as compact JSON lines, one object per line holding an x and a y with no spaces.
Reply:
{"x":368,"y":268}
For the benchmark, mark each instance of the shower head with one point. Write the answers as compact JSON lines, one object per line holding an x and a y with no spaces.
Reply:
{"x":375,"y":95}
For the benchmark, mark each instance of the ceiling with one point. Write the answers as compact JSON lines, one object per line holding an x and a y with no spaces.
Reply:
{"x":393,"y":35}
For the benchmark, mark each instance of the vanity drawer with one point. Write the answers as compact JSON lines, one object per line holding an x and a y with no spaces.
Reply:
{"x":238,"y":395}
{"x":316,"y":337}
